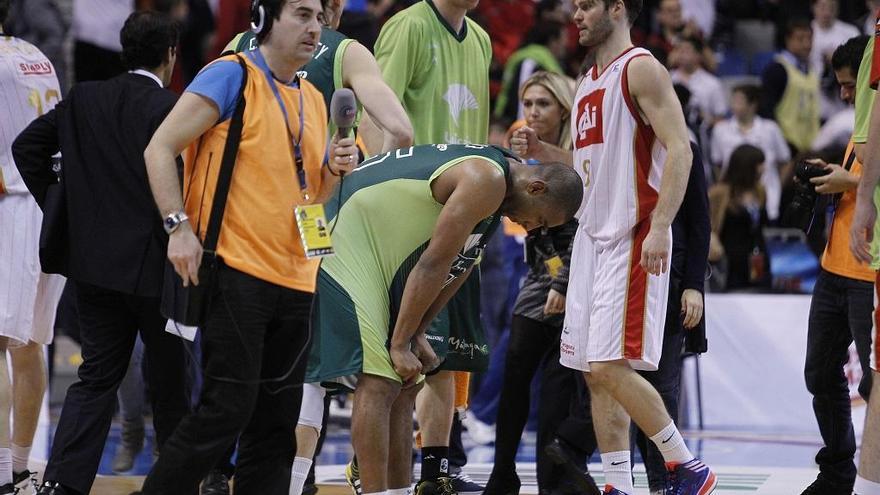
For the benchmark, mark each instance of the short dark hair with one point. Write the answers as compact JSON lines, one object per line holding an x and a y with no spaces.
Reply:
{"x":751,"y":91}
{"x":564,"y":186}
{"x":543,"y":33}
{"x":695,"y":42}
{"x":796,"y":24}
{"x":633,"y":9}
{"x":4,"y":11}
{"x":146,"y":37}
{"x":850,"y":54}
{"x":273,"y":9}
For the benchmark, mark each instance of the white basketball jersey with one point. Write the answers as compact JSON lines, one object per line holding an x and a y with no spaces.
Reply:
{"x":28,"y":89}
{"x":615,"y":152}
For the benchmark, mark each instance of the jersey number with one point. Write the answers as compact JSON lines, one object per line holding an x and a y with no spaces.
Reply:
{"x":41,"y":101}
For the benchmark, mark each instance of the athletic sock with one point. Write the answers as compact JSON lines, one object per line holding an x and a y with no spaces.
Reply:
{"x":670,"y":443}
{"x":400,"y":491}
{"x":20,"y":456}
{"x":866,"y":487}
{"x":435,"y":462}
{"x":618,"y":470}
{"x":5,"y":466}
{"x":298,"y":474}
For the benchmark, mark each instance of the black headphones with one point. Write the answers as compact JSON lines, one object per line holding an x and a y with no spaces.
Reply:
{"x":258,"y":16}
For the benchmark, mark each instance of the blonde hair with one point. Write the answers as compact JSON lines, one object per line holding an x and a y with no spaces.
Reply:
{"x":562,"y":88}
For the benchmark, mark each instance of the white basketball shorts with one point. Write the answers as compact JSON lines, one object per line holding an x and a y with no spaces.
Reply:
{"x":614,"y":309}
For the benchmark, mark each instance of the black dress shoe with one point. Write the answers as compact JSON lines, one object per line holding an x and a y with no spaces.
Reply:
{"x":502,"y":484}
{"x":55,"y":488}
{"x":824,"y":487}
{"x":576,"y":476}
{"x":216,"y":483}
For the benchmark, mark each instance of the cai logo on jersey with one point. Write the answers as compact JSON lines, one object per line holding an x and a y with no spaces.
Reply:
{"x":589,"y":119}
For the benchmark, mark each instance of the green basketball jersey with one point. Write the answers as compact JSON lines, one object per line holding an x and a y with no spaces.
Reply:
{"x":441,"y":77}
{"x":385,"y":214}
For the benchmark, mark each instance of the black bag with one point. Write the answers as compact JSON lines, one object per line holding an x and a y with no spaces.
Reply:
{"x":189,"y":305}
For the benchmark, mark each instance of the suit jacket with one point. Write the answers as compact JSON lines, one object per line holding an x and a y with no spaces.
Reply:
{"x":101,"y":225}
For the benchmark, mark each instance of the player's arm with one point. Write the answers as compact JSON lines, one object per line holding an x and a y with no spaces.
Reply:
{"x":862,"y":229}
{"x":526,"y":144}
{"x":32,"y":152}
{"x":651,"y":87}
{"x":477,"y":190}
{"x":362,"y":74}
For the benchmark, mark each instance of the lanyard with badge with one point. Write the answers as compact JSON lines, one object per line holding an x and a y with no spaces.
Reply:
{"x":310,"y":218}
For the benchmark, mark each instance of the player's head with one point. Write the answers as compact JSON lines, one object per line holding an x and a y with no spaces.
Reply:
{"x":597,"y":19}
{"x":744,"y":100}
{"x":798,"y":38}
{"x":293,"y":27}
{"x":547,"y":99}
{"x":333,"y":12}
{"x":4,"y":12}
{"x":845,"y":61}
{"x":543,"y":195}
{"x":149,"y":41}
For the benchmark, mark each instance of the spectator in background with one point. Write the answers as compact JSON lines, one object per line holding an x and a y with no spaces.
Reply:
{"x":840,"y":311}
{"x":868,"y":23}
{"x":746,"y":127}
{"x":46,"y":24}
{"x":507,"y":22}
{"x":672,"y":28}
{"x":738,"y":216}
{"x":113,"y":244}
{"x":96,"y":26}
{"x":233,"y":17}
{"x":828,"y":33}
{"x":543,"y":48}
{"x":790,"y":89}
{"x":707,"y":92}
{"x":700,"y":13}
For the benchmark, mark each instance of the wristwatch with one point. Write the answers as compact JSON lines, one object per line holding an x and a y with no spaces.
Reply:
{"x":173,"y":221}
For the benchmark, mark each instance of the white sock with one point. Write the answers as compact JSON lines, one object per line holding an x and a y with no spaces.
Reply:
{"x":671,"y":445}
{"x":20,"y":457}
{"x":866,"y":487}
{"x":5,"y":466}
{"x":298,"y":474}
{"x":400,"y":491}
{"x":618,"y":470}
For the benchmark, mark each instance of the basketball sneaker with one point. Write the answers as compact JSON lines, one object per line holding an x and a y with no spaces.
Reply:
{"x":610,"y":490}
{"x":440,"y":486}
{"x":689,"y":478}
{"x":25,"y":482}
{"x":464,"y":485}
{"x":353,"y":477}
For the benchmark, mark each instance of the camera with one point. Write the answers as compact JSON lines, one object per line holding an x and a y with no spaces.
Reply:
{"x":800,"y":211}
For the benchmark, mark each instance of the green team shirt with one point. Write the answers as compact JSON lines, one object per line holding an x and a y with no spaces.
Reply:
{"x":864,"y":103}
{"x":441,"y":77}
{"x":382,"y":221}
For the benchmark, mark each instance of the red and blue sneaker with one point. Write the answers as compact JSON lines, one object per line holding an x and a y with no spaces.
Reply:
{"x":610,"y":490}
{"x":690,"y":478}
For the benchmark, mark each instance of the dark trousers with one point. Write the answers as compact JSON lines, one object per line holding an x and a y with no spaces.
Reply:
{"x":254,"y":352}
{"x":840,"y":313}
{"x":667,"y":381}
{"x":533,"y":345}
{"x":109,"y":322}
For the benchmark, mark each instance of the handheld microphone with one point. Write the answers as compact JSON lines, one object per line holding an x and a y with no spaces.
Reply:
{"x":343,"y":110}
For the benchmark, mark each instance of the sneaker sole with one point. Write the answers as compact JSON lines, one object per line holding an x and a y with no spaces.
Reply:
{"x":712,"y":482}
{"x":559,"y":458}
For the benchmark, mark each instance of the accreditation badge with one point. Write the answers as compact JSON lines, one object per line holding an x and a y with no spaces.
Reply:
{"x":314,"y":230}
{"x":553,"y":265}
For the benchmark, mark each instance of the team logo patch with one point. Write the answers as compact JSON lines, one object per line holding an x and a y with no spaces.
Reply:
{"x":589,"y":119}
{"x":40,"y":68}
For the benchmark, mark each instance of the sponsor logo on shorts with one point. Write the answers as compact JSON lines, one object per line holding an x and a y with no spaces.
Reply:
{"x":438,"y":338}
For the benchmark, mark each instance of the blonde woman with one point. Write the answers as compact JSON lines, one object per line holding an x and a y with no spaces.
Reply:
{"x":546,"y":100}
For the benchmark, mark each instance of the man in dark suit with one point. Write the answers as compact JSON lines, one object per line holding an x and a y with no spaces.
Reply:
{"x":111,"y":243}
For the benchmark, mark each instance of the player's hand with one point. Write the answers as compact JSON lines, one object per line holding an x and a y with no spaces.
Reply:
{"x":837,"y":180}
{"x":425,"y":353}
{"x":861,"y":233}
{"x":406,"y":364}
{"x":185,"y":253}
{"x":691,"y":308}
{"x":343,"y":155}
{"x":655,"y":251}
{"x":555,"y":303}
{"x":525,"y":142}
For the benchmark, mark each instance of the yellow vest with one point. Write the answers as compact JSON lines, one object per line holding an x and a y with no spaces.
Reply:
{"x":798,"y":112}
